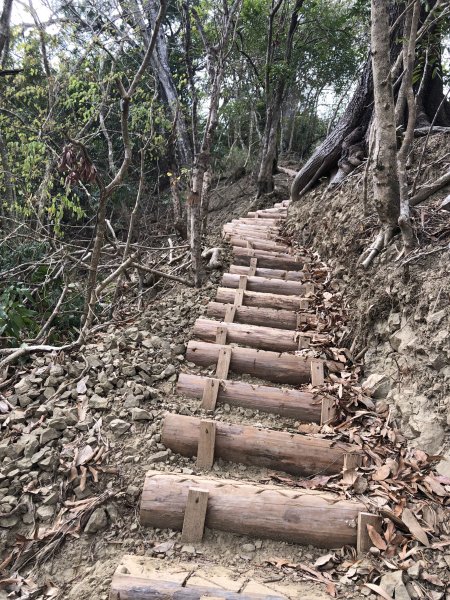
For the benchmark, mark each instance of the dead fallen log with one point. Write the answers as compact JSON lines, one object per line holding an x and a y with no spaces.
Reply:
{"x":258,"y":299}
{"x":302,"y":517}
{"x":272,"y":366}
{"x":269,"y":273}
{"x":254,"y":336}
{"x":298,"y":404}
{"x":292,"y":453}
{"x":242,"y":256}
{"x":266,"y":317}
{"x":266,"y":285}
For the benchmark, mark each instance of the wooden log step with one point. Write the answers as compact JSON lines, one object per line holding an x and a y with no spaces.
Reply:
{"x":264,"y":229}
{"x":145,"y":578}
{"x":260,"y":253}
{"x":258,"y":244}
{"x":302,"y":517}
{"x":259,"y":299}
{"x":269,"y":273}
{"x":292,"y":453}
{"x":267,"y":212}
{"x":266,"y":285}
{"x":267,"y":317}
{"x":270,"y":366}
{"x":242,"y":256}
{"x":254,"y":225}
{"x":254,"y":336}
{"x":253,"y":221}
{"x":295,"y":404}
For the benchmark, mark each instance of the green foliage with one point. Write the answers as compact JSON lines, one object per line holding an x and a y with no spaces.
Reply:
{"x":16,"y":318}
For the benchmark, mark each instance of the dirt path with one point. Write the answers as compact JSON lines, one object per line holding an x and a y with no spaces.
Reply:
{"x":114,"y":407}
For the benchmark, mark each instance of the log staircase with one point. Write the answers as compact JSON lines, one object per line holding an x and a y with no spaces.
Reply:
{"x":262,"y":323}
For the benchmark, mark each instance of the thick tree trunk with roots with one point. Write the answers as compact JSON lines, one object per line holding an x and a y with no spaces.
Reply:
{"x":345,"y":147}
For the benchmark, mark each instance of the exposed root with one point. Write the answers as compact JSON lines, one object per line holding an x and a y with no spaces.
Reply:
{"x":381,"y":241}
{"x":214,"y":254}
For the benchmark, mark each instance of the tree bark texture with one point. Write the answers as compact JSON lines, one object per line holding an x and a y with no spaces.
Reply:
{"x":385,"y":176}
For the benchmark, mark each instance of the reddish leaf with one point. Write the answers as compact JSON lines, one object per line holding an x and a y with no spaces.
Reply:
{"x":376,"y":538}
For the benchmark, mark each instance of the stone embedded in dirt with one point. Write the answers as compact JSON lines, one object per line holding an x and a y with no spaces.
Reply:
{"x":377,"y":385}
{"x":168,"y":371}
{"x":139,"y":414}
{"x":415,"y":569}
{"x":188,"y":549}
{"x":57,"y":423}
{"x":249,"y":548}
{"x":45,"y":513}
{"x":403,"y":339}
{"x":48,"y":435}
{"x":119,"y":426}
{"x":391,"y":580}
{"x":161,"y":456}
{"x":8,"y":522}
{"x":97,"y":521}
{"x":96,"y":402}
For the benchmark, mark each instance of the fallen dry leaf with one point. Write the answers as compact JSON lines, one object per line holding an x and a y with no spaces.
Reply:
{"x":379,"y":590}
{"x":376,"y":538}
{"x":382,"y":473}
{"x":414,"y":527}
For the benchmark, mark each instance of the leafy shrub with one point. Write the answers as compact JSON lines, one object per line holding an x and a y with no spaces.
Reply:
{"x":15,"y":317}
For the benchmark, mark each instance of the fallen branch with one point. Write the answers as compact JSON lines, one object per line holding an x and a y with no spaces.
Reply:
{"x":286,"y":171}
{"x":15,"y":353}
{"x":161,"y":274}
{"x":427,"y":190}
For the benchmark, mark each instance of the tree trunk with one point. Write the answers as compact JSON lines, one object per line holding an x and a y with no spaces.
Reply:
{"x":385,"y":177}
{"x":5,"y":20}
{"x":10,"y":194}
{"x":344,"y":147}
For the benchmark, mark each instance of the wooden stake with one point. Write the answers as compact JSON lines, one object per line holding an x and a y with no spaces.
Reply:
{"x":304,"y":304}
{"x":351,"y":462}
{"x":309,"y":289}
{"x":206,"y":443}
{"x":363,"y":541}
{"x":304,"y":342}
{"x":328,"y":411}
{"x":230,"y":313}
{"x":242,"y":282}
{"x":221,"y":335}
{"x":223,"y":363}
{"x":194,"y":515}
{"x":317,"y":376}
{"x":239,"y":297}
{"x":302,"y":318}
{"x":252,"y":269}
{"x":210,"y":392}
